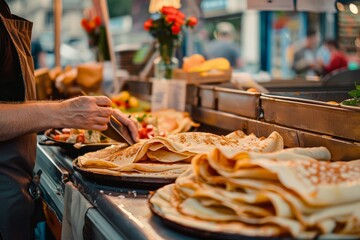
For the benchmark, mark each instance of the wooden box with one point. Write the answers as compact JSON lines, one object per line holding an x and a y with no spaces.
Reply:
{"x":203,"y":77}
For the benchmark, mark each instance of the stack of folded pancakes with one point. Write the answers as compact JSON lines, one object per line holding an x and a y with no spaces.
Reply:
{"x":293,"y":192}
{"x":171,"y":156}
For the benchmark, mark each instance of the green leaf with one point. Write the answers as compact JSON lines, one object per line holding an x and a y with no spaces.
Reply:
{"x":357,"y":87}
{"x":354,"y":93}
{"x":142,"y":118}
{"x":352,"y":102}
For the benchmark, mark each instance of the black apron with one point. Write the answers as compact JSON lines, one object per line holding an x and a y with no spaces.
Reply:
{"x":17,"y":156}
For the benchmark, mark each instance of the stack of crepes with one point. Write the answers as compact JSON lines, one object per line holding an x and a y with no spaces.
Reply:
{"x":170,"y":156}
{"x":286,"y":193}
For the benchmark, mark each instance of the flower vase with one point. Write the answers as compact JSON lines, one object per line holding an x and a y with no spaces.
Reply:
{"x":165,"y":63}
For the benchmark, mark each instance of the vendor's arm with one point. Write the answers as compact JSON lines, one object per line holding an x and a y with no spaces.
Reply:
{"x":17,"y":119}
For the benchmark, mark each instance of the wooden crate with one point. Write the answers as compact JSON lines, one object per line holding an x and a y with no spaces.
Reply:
{"x":203,"y":77}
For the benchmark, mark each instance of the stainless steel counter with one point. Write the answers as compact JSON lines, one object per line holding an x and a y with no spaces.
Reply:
{"x":118,"y":213}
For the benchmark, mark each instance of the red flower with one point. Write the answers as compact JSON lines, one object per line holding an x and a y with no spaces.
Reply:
{"x":91,"y":25}
{"x":97,"y":21}
{"x":175,"y":29}
{"x":191,"y":22}
{"x":170,"y":18}
{"x":85,"y":24}
{"x":168,"y":10}
{"x":179,"y":21}
{"x":148,"y":24}
{"x":180,"y":15}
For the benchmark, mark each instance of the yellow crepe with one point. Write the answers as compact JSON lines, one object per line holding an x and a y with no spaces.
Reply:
{"x":163,"y":152}
{"x":297,"y":190}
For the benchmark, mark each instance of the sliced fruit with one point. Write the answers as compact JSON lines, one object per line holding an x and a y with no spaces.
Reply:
{"x":133,"y":102}
{"x":215,"y":63}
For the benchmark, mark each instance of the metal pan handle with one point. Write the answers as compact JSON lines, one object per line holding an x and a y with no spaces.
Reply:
{"x":48,"y":142}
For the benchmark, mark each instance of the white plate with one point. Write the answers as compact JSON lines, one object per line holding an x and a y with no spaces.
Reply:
{"x":356,"y":108}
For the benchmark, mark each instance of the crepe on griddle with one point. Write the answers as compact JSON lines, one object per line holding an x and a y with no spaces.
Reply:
{"x":294,"y":192}
{"x":171,"y":155}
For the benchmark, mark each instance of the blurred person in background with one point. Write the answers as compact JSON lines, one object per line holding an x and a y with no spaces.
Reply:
{"x":21,"y":117}
{"x":223,"y":45}
{"x":305,"y":62}
{"x":38,"y":54}
{"x":337,"y":60}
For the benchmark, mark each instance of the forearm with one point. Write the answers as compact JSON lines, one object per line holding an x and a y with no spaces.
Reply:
{"x":84,"y":112}
{"x":17,"y":119}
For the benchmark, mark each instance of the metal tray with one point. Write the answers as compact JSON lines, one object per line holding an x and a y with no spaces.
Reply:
{"x":242,"y":103}
{"x":207,"y":98}
{"x":323,"y":119}
{"x":322,"y":98}
{"x":128,"y":181}
{"x":223,"y":123}
{"x":201,"y":233}
{"x":69,"y":147}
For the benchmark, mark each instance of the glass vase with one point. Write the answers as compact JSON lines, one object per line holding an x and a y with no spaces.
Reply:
{"x":165,"y":63}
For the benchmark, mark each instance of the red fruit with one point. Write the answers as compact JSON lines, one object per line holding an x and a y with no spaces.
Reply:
{"x":143,"y":133}
{"x":175,"y":29}
{"x":148,"y":24}
{"x":80,"y":138}
{"x":127,"y":105}
{"x":192,"y":21}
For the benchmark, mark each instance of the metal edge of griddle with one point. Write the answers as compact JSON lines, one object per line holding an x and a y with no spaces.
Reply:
{"x":48,"y":164}
{"x":97,"y":227}
{"x":299,"y":99}
{"x":329,"y":120}
{"x":52,"y":194}
{"x":238,"y":102}
{"x":340,"y":149}
{"x":207,"y":97}
{"x":114,"y":215}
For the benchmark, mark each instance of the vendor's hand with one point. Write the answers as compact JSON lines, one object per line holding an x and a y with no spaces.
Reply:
{"x":127,"y":121}
{"x":87,"y":112}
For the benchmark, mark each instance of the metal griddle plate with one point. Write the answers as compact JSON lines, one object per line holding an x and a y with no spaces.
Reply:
{"x":126,"y":180}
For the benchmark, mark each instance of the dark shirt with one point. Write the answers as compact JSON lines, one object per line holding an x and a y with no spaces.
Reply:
{"x":228,"y":50}
{"x":11,"y":82}
{"x":304,"y":59}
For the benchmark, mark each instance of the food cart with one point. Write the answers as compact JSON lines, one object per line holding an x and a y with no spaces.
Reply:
{"x":117,"y":208}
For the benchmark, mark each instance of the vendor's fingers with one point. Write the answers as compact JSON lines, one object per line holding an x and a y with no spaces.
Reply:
{"x":103,"y":101}
{"x":101,"y":120}
{"x":124,"y":119}
{"x":99,"y":127}
{"x":105,"y":112}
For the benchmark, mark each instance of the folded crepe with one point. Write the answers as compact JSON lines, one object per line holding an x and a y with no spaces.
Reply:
{"x":171,"y":121}
{"x":171,"y":155}
{"x":294,"y":192}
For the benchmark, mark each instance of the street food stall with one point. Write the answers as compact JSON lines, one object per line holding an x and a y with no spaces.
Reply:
{"x":107,"y":190}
